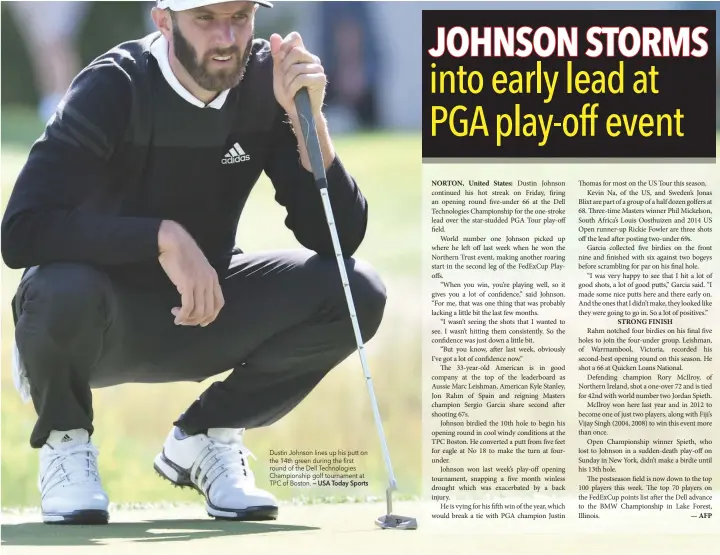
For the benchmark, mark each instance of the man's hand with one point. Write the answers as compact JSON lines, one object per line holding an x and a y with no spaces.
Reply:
{"x":196,"y":280}
{"x":294,"y":68}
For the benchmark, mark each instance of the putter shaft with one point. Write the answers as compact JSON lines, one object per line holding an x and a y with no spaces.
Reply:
{"x":307,"y":122}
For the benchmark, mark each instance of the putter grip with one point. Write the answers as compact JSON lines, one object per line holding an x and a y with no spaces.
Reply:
{"x":307,"y":123}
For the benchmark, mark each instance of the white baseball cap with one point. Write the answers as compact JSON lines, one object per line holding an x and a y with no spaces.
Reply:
{"x":181,"y":5}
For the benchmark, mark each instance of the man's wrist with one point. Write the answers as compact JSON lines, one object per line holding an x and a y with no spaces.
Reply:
{"x":168,"y":235}
{"x":323,"y":134}
{"x":320,"y":123}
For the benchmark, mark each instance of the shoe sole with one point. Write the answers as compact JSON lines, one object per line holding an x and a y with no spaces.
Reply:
{"x":88,"y":516}
{"x":180,"y":477}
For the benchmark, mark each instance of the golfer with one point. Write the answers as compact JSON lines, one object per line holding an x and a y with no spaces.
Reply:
{"x":124,"y":219}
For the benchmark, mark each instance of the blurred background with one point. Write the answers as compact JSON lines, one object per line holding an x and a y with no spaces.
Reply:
{"x":371,"y":53}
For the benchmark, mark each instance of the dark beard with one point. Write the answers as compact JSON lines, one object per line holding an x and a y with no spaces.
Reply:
{"x":216,"y":81}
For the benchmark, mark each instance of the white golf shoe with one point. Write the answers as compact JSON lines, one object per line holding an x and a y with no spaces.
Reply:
{"x":216,"y":465}
{"x":69,"y":482}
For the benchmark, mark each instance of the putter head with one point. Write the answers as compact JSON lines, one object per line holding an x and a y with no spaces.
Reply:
{"x":396,"y":522}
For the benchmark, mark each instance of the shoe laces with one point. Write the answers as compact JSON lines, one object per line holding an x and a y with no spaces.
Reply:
{"x":72,"y":465}
{"x":222,"y":459}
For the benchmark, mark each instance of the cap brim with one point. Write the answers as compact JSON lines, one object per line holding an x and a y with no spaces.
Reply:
{"x":181,"y":6}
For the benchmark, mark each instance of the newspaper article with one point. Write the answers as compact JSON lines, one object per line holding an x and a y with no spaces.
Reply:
{"x":570,"y":328}
{"x":569,"y":347}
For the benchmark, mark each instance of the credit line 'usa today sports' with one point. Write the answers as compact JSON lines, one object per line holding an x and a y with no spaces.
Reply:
{"x":541,"y":187}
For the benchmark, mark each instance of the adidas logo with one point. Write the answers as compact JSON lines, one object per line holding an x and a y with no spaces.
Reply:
{"x":235,"y":154}
{"x":66,"y":438}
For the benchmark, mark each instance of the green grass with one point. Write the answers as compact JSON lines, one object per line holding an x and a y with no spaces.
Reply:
{"x":132,"y":420}
{"x":20,"y":126}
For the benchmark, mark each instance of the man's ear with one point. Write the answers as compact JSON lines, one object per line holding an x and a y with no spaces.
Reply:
{"x":163,"y":21}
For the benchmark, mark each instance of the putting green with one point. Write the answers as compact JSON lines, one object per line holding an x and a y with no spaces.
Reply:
{"x":307,"y":529}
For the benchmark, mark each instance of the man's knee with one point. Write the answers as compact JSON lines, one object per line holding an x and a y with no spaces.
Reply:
{"x":369,"y":296}
{"x":65,"y":295}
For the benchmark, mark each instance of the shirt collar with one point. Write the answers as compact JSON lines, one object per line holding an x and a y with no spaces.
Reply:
{"x":159,"y":49}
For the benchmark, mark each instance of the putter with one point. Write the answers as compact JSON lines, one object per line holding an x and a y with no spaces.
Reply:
{"x":307,"y":122}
